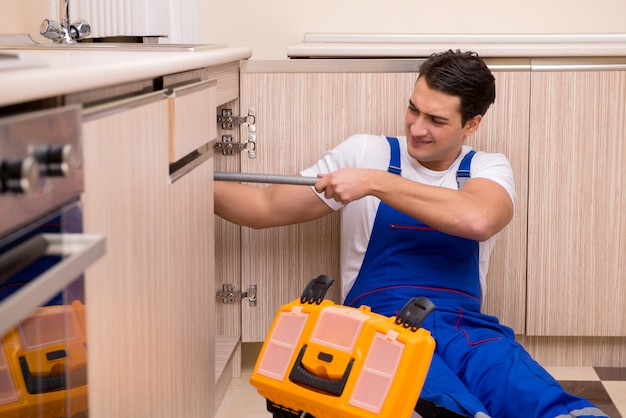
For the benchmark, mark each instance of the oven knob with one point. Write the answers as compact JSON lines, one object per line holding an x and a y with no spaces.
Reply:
{"x":19,"y":176}
{"x":55,"y":160}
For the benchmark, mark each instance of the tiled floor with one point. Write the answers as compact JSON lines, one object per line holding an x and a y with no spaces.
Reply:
{"x":605,"y":387}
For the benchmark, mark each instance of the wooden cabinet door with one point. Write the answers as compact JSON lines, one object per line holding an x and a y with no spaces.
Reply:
{"x":576,"y":217}
{"x":127,"y":291}
{"x":191,"y":282}
{"x":227,"y":320}
{"x":300,"y":115}
{"x":192,"y":117}
{"x":151,"y":300}
{"x":192,"y":290}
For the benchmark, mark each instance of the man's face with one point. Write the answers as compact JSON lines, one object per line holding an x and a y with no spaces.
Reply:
{"x":433,"y":127}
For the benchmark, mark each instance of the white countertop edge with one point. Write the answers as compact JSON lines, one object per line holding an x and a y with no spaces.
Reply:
{"x":73,"y":71}
{"x":494,"y":50}
{"x":461,"y":38}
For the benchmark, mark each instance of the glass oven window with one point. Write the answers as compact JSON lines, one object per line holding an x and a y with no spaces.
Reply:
{"x":43,"y":359}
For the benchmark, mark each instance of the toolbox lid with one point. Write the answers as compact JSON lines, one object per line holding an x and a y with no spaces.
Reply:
{"x":8,"y":394}
{"x":339,"y":327}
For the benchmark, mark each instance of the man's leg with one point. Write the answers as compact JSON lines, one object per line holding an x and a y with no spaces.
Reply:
{"x":503,"y":375}
{"x":445,"y":396}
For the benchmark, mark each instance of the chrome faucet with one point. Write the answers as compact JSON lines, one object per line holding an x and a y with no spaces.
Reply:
{"x":64,"y":32}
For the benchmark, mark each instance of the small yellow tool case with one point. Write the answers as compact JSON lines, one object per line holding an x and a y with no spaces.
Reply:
{"x":332,"y":361}
{"x":43,"y":364}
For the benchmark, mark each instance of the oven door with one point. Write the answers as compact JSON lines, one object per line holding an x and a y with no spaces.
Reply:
{"x":43,"y":351}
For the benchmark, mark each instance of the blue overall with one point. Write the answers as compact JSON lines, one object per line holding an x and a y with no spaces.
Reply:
{"x":478,"y":369}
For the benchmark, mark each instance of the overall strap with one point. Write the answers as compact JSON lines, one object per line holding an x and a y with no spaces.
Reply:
{"x":463,"y":173}
{"x":394,"y":161}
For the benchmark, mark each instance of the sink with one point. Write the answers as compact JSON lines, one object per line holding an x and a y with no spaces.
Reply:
{"x":24,"y":42}
{"x":110,"y":46}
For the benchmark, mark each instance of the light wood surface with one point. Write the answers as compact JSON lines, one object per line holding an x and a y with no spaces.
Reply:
{"x":192,"y":254}
{"x":227,"y":76}
{"x":227,"y":235}
{"x":227,"y":251}
{"x":228,"y":242}
{"x":576,"y":218}
{"x":576,"y":351}
{"x":151,"y":306}
{"x":505,"y":130}
{"x":191,"y":286}
{"x":128,"y":315}
{"x":190,"y":124}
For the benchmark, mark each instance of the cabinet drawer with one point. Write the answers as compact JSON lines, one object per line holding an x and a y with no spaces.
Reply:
{"x":193,"y":117}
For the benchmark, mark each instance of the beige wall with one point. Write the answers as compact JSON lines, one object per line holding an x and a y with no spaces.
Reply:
{"x":24,"y":16}
{"x":270,"y":26}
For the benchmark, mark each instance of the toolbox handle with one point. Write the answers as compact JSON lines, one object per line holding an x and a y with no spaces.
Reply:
{"x":40,"y":384}
{"x":301,"y":376}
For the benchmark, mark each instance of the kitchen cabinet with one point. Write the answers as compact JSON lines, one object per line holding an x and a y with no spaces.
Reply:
{"x":306,"y":107}
{"x":163,"y":347}
{"x":126,"y":199}
{"x":227,"y":241}
{"x":191,"y":251}
{"x":151,"y":304}
{"x":192,"y":289}
{"x":153,"y":295}
{"x":577,"y":223}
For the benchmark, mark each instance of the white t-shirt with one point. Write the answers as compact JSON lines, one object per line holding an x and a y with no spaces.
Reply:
{"x":357,"y":218}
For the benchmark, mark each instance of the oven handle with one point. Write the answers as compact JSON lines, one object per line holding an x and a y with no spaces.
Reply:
{"x":79,"y":251}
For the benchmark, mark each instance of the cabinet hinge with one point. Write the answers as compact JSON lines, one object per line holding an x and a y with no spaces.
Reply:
{"x":229,"y":294}
{"x":229,"y":147}
{"x":227,"y":121}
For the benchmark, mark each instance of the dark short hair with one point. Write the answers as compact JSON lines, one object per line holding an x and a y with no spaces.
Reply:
{"x":461,"y":74}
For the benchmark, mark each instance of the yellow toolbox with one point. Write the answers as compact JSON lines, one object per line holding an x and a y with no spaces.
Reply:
{"x":43,"y":364}
{"x":325,"y":360}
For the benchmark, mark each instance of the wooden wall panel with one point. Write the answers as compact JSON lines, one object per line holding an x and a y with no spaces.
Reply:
{"x":505,"y":130}
{"x":576,"y":351}
{"x":576,"y":219}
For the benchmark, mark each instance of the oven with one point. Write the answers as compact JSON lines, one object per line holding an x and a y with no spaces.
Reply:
{"x":43,"y":255}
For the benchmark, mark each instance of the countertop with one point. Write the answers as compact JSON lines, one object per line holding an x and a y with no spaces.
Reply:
{"x":50,"y":73}
{"x":329,"y":45}
{"x":55,"y":72}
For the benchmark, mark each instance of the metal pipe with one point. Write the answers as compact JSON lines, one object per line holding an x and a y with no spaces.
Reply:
{"x":265,"y":178}
{"x":64,"y":6}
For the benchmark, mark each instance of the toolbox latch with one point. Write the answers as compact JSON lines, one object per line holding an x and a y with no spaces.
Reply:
{"x":414,"y":312}
{"x":316,"y":290}
{"x":230,"y":294}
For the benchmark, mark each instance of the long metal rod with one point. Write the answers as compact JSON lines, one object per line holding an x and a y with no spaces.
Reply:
{"x":64,"y":6}
{"x":265,"y":178}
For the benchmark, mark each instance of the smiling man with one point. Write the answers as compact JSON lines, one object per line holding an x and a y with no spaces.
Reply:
{"x":420,"y":215}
